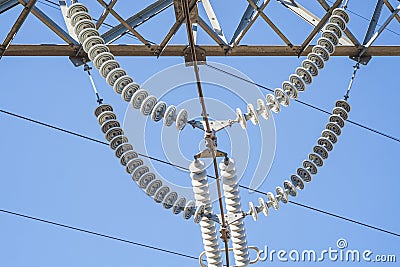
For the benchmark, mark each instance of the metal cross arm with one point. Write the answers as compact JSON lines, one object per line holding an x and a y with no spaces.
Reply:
{"x":308,"y":16}
{"x":391,"y":8}
{"x":252,"y":50}
{"x":248,"y":19}
{"x":211,"y":32}
{"x":123,"y":22}
{"x":105,"y":13}
{"x":217,"y":29}
{"x":351,"y":38}
{"x":380,"y":30}
{"x":269,"y":22}
{"x":137,"y":19}
{"x":180,"y":19}
{"x":319,"y":26}
{"x":374,"y":21}
{"x":17,"y":25}
{"x":370,"y":32}
{"x":178,"y":50}
{"x":245,"y":23}
{"x":51,"y":24}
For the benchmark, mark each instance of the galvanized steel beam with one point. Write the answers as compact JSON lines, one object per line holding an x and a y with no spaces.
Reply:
{"x":211,"y":50}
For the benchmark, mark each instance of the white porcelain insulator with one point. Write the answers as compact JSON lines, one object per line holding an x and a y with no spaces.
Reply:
{"x":233,"y":206}
{"x":207,"y":227}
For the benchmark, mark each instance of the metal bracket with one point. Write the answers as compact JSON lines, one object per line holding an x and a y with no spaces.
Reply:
{"x":232,"y":217}
{"x":225,"y":233}
{"x":79,"y":61}
{"x":211,"y":148}
{"x":210,"y":138}
{"x":213,"y":217}
{"x":363,"y":59}
{"x":200,"y":56}
{"x":196,"y":124}
{"x":215,"y":125}
{"x":206,"y":153}
{"x":219,"y":125}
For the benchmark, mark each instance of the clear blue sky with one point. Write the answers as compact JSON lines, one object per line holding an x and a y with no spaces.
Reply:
{"x":69,"y":180}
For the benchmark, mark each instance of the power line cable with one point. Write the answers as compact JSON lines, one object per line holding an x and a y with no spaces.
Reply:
{"x":344,"y":218}
{"x":159,"y":160}
{"x":99,"y":234}
{"x":305,"y":103}
{"x":51,"y":2}
{"x":174,"y":165}
{"x":53,"y":127}
{"x":259,"y":85}
{"x":327,"y":213}
{"x":46,"y":4}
